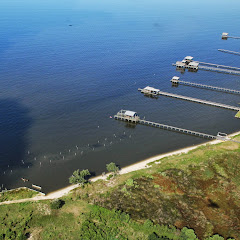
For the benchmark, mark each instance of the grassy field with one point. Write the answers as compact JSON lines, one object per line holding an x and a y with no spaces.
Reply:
{"x":181,"y":197}
{"x":17,"y":194}
{"x":77,"y":220}
{"x":200,"y":190}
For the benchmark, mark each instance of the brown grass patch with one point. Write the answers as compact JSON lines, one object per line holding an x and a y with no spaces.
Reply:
{"x":167,"y":185}
{"x":229,"y":146}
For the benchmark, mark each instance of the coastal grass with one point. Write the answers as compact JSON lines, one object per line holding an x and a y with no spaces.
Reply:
{"x":75,"y":220}
{"x":189,"y":189}
{"x":16,"y":194}
{"x":199,"y":189}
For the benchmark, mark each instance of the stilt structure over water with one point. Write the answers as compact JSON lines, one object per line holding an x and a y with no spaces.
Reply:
{"x":175,"y":82}
{"x":225,"y":36}
{"x":130,"y":116}
{"x":158,"y":92}
{"x":188,"y":63}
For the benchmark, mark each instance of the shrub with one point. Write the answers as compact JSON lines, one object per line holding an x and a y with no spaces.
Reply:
{"x":79,"y":176}
{"x":153,"y":236}
{"x":130,"y":182}
{"x":148,"y":223}
{"x":110,"y":176}
{"x":188,"y":234}
{"x":111,"y":167}
{"x":57,"y":203}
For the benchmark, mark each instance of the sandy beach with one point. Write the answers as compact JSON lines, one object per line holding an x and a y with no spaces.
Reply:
{"x":131,"y":168}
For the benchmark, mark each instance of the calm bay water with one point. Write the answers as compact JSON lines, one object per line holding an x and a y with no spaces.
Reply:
{"x":59,"y":84}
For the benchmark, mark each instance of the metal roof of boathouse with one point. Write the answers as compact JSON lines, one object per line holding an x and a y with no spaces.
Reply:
{"x":130,"y":113}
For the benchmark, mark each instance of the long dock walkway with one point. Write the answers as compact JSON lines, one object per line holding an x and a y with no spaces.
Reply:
{"x":168,"y":127}
{"x":233,"y":37}
{"x":228,"y":51}
{"x":220,"y":70}
{"x":177,"y":129}
{"x":218,"y":65}
{"x":221,"y":105}
{"x":208,"y":87}
{"x":172,"y":128}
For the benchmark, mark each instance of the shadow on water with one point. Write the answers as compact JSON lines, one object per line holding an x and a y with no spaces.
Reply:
{"x":14,"y":124}
{"x":130,"y":125}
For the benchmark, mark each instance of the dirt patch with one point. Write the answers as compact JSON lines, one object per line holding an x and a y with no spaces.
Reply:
{"x":230,"y":146}
{"x":76,"y":210}
{"x":35,"y":234}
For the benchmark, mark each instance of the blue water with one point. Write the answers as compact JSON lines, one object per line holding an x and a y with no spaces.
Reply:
{"x":67,"y":66}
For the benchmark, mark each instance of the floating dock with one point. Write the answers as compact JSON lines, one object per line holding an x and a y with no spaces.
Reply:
{"x":175,"y":81}
{"x":228,"y":51}
{"x":188,"y":63}
{"x":221,"y":105}
{"x":130,"y":116}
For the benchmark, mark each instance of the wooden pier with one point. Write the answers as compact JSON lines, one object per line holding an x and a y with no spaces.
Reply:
{"x":225,"y":36}
{"x":188,"y":63}
{"x":120,"y":116}
{"x":176,"y":81}
{"x":221,"y":105}
{"x":219,"y":65}
{"x":228,"y":51}
{"x":220,"y":70}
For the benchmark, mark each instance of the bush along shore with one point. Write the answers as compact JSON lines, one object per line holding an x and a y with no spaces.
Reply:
{"x":194,"y":195}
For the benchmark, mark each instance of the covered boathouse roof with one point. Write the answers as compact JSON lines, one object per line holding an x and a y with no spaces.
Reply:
{"x":190,"y":58}
{"x":152,"y":89}
{"x":193,"y":64}
{"x":130,"y":113}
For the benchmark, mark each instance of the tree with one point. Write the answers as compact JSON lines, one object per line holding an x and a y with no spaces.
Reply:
{"x":111,"y":167}
{"x":57,"y":203}
{"x":187,"y":234}
{"x":79,"y":176}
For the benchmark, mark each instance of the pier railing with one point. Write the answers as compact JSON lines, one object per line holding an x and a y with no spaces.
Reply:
{"x":199,"y":100}
{"x":199,"y":85}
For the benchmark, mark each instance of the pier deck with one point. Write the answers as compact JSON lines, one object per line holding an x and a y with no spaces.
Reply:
{"x":228,"y":51}
{"x":215,"y":69}
{"x":220,"y":70}
{"x":221,"y":105}
{"x":218,"y":65}
{"x":227,"y":90}
{"x":172,"y":128}
{"x":233,"y":37}
{"x":177,"y":129}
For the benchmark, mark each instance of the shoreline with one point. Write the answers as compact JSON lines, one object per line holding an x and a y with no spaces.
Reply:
{"x":142,"y":164}
{"x":131,"y":168}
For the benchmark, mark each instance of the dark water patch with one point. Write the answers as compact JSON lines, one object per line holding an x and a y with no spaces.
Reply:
{"x":15,"y":122}
{"x":72,"y":79}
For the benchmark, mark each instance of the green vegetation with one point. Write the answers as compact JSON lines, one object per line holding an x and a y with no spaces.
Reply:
{"x":111,"y":167}
{"x":79,"y":177}
{"x":190,"y":190}
{"x":17,"y":194}
{"x":57,"y":203}
{"x":238,"y":114}
{"x":184,"y":197}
